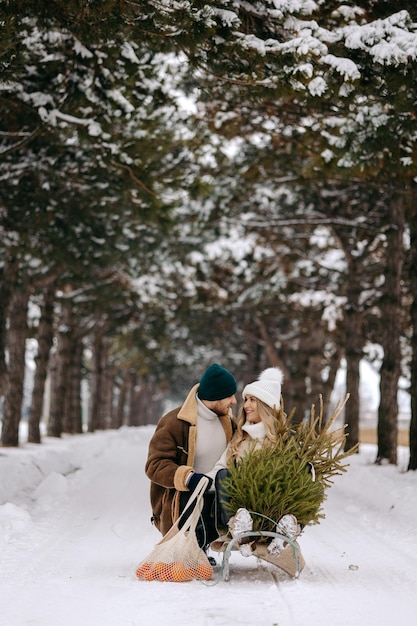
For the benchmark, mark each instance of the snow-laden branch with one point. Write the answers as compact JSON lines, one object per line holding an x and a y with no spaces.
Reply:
{"x":345,"y":67}
{"x":51,"y":116}
{"x":389,"y":41}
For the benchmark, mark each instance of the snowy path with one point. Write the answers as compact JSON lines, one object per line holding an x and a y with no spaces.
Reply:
{"x":78,"y":525}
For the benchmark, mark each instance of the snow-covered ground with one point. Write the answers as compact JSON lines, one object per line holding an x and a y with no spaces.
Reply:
{"x":75,"y":523}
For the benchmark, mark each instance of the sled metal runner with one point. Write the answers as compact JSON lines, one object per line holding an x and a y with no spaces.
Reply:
{"x":225,"y":568}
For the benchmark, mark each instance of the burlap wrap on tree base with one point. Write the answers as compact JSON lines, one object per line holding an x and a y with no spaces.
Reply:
{"x":286,"y":560}
{"x":220,"y":544}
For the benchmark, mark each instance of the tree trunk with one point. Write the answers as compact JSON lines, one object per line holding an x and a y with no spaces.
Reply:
{"x":98,"y":419}
{"x":106,"y":400}
{"x":7,"y":281}
{"x":95,"y":390}
{"x":275,"y":360}
{"x":76,"y":382}
{"x":45,"y":340}
{"x":134,"y":391}
{"x":413,"y":386}
{"x":119,"y":417}
{"x":16,"y":371}
{"x":143,"y":406}
{"x":334,"y":365}
{"x":353,"y":351}
{"x":391,"y":331}
{"x":312,"y":345}
{"x":272,"y":355}
{"x":73,"y":415}
{"x":62,"y":363}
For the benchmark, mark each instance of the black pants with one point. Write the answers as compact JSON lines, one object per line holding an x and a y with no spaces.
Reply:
{"x":213,"y":515}
{"x":206,"y":529}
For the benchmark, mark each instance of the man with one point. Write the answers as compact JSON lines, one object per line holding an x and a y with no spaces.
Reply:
{"x":186,"y":445}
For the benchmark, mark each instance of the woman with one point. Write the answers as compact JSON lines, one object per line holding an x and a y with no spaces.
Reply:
{"x":257,"y":426}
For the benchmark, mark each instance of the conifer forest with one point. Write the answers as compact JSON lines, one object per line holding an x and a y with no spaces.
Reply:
{"x":212,"y":181}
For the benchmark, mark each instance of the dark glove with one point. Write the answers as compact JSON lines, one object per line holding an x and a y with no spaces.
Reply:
{"x":195,"y":478}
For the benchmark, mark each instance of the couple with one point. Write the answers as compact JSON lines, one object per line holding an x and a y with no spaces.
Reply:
{"x":201,"y":438}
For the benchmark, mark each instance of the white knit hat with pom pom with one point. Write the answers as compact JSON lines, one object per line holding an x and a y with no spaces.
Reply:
{"x":267,"y":388}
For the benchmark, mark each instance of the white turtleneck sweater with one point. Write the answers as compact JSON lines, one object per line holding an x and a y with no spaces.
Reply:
{"x":211,"y":439}
{"x":255,"y":431}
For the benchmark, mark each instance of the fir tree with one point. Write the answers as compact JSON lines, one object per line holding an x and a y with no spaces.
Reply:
{"x":292,"y":475}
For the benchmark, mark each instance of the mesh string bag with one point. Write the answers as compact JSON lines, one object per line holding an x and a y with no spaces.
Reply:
{"x":178,"y":557}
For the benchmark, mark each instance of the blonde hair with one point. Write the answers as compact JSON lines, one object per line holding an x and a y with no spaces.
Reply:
{"x":270,"y":418}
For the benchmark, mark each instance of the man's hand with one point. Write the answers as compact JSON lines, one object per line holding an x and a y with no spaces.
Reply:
{"x":194,"y":478}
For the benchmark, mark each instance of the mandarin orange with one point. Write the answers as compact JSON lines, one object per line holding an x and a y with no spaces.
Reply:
{"x":204,"y":571}
{"x":180,"y":573}
{"x":158,"y":571}
{"x":143,"y":569}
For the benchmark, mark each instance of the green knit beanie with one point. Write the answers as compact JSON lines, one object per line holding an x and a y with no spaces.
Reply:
{"x":217,"y":383}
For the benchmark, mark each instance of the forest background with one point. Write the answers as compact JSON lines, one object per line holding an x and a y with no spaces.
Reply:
{"x":188,"y":182}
